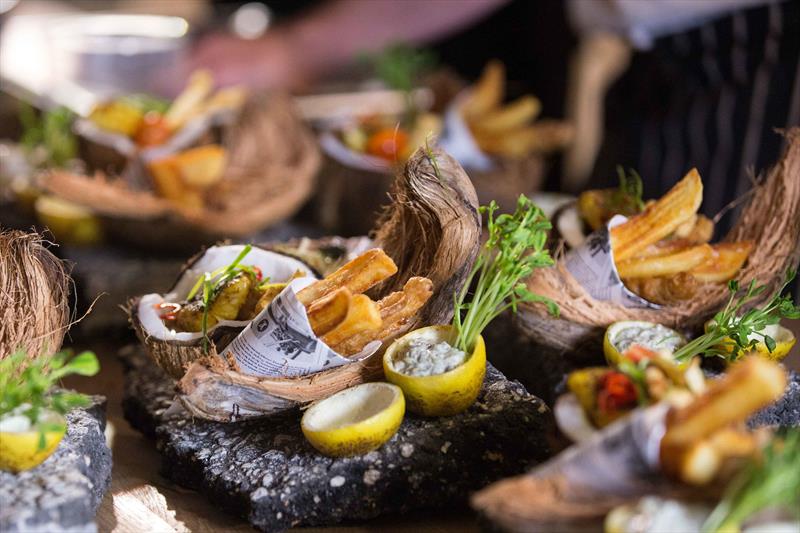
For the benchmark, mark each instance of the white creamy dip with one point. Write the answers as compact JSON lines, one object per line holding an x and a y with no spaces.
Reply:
{"x":424,"y":358}
{"x":653,"y":337}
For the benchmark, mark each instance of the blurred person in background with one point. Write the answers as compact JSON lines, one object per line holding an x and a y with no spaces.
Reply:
{"x":660,"y":86}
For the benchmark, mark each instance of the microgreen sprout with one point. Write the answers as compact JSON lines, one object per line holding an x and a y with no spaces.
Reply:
{"x":515,"y":248}
{"x":771,"y":481}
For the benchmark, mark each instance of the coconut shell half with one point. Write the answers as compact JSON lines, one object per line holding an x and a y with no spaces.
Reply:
{"x":34,"y":293}
{"x":174,"y":351}
{"x":431,"y":228}
{"x":770,"y":218}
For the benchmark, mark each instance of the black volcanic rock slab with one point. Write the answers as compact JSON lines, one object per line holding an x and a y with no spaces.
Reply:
{"x":63,"y":493}
{"x":266,"y":472}
{"x":786,"y":411}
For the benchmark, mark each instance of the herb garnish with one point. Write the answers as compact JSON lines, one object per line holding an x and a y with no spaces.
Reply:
{"x":774,"y":481}
{"x":26,"y":384}
{"x":516,"y":246}
{"x":52,"y":133}
{"x":211,"y":283}
{"x":400,"y":67}
{"x":627,"y":199}
{"x":728,"y":335}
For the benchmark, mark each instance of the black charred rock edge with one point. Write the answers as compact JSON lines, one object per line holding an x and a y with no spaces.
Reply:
{"x":267,"y":473}
{"x":64,"y":492}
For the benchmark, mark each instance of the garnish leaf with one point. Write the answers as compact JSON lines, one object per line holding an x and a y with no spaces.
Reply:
{"x":730,"y":334}
{"x":514,"y":249}
{"x":27,"y":384}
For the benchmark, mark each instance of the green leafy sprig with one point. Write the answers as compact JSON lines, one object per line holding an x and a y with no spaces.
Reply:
{"x":51,"y":132}
{"x":773,"y":481}
{"x":516,"y":246}
{"x":211,"y":283}
{"x":627,"y":199}
{"x":26,"y":385}
{"x":729,"y":335}
{"x":400,"y":67}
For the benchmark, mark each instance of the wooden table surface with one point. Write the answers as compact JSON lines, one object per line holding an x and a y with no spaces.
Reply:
{"x":141,"y":501}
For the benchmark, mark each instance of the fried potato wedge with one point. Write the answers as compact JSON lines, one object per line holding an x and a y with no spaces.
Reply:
{"x":358,"y":275}
{"x":363,"y":315}
{"x":725,"y":262}
{"x":329,"y":311}
{"x":700,"y":231}
{"x":666,"y":290}
{"x":744,"y":389}
{"x":396,"y":310}
{"x":544,"y":136}
{"x":509,"y":117}
{"x":488,"y":92}
{"x":187,"y":102}
{"x":697,"y":439}
{"x":659,"y":219}
{"x":664,"y":247}
{"x":665,"y":265}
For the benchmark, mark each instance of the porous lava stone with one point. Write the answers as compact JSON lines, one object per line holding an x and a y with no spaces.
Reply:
{"x":266,"y":472}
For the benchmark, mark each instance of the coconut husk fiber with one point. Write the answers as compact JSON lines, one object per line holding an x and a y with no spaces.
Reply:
{"x":34,"y":292}
{"x":272,"y":162}
{"x":345,"y":191}
{"x":770,"y":218}
{"x":430,"y":228}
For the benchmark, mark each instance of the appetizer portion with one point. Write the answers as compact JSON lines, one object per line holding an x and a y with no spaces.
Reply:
{"x":149,"y":121}
{"x":640,"y":377}
{"x":441,"y":368}
{"x":663,"y":253}
{"x":509,"y":130}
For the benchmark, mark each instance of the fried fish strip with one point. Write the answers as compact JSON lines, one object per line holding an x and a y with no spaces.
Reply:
{"x":726,"y":261}
{"x":396,"y":310}
{"x":362,"y":315}
{"x":358,"y":275}
{"x":330,"y":311}
{"x":665,"y":265}
{"x":659,"y":219}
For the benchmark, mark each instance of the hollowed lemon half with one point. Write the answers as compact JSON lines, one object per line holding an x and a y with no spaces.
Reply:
{"x":69,"y":222}
{"x":356,"y":420}
{"x":443,"y":394}
{"x":783,"y":337}
{"x":19,"y":442}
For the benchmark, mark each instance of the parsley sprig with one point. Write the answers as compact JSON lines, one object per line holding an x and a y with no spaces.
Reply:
{"x":773,"y":481}
{"x":26,"y":386}
{"x":729,"y":334}
{"x":211,"y":283}
{"x":516,"y":246}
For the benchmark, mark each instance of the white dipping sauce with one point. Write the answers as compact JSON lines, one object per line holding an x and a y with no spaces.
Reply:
{"x":423,"y":358}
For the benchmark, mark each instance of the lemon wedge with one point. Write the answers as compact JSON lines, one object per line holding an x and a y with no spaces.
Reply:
{"x":783,"y":337}
{"x":622,"y":335}
{"x":443,"y":394}
{"x":354,"y":421}
{"x":69,"y":222}
{"x":19,"y":442}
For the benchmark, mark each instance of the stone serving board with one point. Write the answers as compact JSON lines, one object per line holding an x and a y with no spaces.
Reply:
{"x":63,"y":493}
{"x":266,"y":472}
